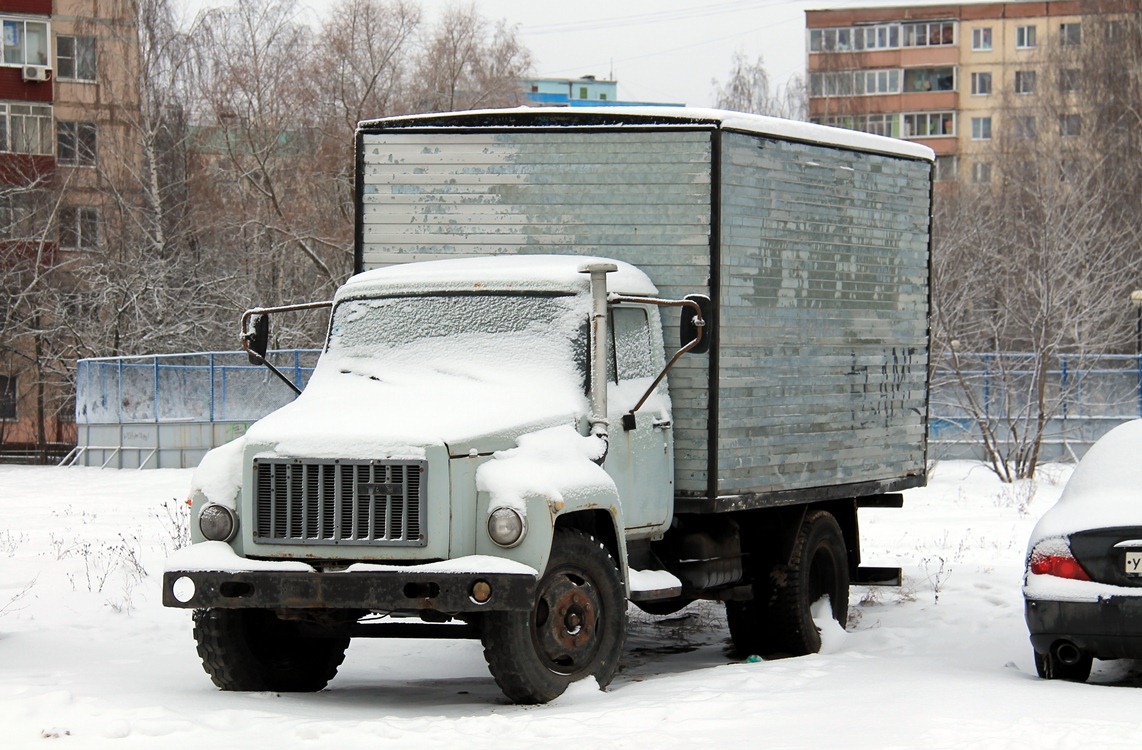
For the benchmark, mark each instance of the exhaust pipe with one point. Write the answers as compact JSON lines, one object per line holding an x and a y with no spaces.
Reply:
{"x":598,"y":272}
{"x":1067,"y":653}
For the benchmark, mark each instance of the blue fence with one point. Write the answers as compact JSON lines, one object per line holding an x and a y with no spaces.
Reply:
{"x":1087,"y":395}
{"x":198,"y":387}
{"x":194,"y":402}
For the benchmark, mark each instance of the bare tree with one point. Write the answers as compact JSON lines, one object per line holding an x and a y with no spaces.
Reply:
{"x":1036,"y":256}
{"x":749,"y":89}
{"x":469,"y":63}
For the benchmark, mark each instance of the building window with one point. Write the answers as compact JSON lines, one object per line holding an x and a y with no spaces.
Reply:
{"x":880,"y":125}
{"x":1070,"y":125}
{"x":981,"y":128}
{"x":930,"y":79}
{"x":75,"y":144}
{"x":7,"y":397}
{"x":945,"y":169}
{"x":929,"y":124}
{"x":934,"y":34}
{"x":1070,"y":34}
{"x":1025,"y":81}
{"x":883,"y":36}
{"x":26,"y":128}
{"x":25,"y":43}
{"x":981,"y":172}
{"x":878,"y":82}
{"x":75,"y":58}
{"x":1024,"y":126}
{"x":1024,"y":37}
{"x":78,"y":227}
{"x":878,"y":37}
{"x":831,"y":84}
{"x":18,"y":219}
{"x":1069,"y":80}
{"x":981,"y":39}
{"x":981,"y":84}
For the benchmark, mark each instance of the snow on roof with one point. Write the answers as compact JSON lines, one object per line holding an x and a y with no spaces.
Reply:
{"x":538,"y":273}
{"x":662,"y":117}
{"x":1105,"y":489}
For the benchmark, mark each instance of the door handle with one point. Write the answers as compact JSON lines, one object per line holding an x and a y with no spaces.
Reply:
{"x":661,"y":424}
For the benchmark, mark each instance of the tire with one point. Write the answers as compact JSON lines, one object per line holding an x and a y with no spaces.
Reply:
{"x":575,"y":629}
{"x":818,"y":566}
{"x":252,"y":649}
{"x":1050,"y":667}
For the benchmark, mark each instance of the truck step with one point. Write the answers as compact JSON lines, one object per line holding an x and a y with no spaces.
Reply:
{"x":869,"y":576}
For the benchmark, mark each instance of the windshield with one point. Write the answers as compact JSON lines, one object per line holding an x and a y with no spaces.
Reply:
{"x":450,"y":330}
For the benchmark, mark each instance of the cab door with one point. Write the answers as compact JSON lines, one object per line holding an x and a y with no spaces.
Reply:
{"x":640,"y":460}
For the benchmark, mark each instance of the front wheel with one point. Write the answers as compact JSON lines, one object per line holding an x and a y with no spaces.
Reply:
{"x":253,"y":649}
{"x":575,"y":629}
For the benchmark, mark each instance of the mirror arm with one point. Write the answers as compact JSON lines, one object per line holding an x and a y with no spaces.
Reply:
{"x":247,"y":335}
{"x":699,"y":325}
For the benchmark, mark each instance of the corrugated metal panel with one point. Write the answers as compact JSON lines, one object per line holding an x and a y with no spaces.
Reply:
{"x":823,"y":316}
{"x":640,"y":196}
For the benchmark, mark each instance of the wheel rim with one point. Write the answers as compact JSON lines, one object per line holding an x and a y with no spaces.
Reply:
{"x":565,"y":622}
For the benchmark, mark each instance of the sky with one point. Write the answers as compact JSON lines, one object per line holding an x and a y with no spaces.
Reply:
{"x":657,"y":50}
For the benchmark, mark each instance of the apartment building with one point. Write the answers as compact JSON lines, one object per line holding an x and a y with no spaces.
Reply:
{"x":958,"y":78}
{"x":68,"y":89}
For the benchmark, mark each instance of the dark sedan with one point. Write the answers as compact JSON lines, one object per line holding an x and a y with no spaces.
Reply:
{"x":1083,"y":584}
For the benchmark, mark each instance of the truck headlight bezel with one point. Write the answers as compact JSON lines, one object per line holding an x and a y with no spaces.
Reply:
{"x":217,"y":523}
{"x":506,"y":527}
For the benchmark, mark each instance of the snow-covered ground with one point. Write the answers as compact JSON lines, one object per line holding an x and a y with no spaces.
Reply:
{"x":90,"y":659}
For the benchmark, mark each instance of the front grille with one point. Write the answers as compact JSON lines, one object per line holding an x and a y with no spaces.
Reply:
{"x":339,"y":502}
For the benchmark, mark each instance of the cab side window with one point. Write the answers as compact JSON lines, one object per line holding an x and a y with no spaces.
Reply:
{"x":629,"y":355}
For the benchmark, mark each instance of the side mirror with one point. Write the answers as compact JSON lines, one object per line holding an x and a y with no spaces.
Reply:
{"x":257,"y":341}
{"x":689,"y":331}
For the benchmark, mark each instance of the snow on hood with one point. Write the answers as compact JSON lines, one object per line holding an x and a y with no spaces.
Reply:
{"x":557,"y":464}
{"x":405,"y":373}
{"x":1105,"y":489}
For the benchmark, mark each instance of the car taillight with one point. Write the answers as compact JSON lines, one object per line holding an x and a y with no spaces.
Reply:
{"x":1056,"y":562}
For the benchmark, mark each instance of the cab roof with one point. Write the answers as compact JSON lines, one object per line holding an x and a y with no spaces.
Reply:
{"x":508,"y":273}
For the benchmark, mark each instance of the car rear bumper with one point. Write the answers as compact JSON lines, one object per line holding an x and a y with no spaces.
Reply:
{"x":1110,"y":628}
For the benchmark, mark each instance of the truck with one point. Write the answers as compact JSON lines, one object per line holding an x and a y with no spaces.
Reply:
{"x":592,"y":358}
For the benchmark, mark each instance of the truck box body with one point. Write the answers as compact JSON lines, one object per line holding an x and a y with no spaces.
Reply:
{"x":813,"y":244}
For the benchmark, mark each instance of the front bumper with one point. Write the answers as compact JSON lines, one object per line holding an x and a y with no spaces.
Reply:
{"x":1110,"y":628}
{"x":447,"y":587}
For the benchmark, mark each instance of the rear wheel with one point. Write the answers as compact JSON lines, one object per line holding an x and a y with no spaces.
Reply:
{"x":1051,"y":667}
{"x":253,"y":649}
{"x":575,"y":629}
{"x":817,"y":568}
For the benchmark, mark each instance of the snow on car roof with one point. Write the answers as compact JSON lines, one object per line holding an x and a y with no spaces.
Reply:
{"x":547,"y":273}
{"x":661,"y":117}
{"x":1105,"y":489}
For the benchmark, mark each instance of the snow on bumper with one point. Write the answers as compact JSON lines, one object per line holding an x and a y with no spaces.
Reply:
{"x":211,"y":575}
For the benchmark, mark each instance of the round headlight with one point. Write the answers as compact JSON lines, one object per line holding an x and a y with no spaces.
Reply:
{"x":217,"y":523}
{"x":506,"y":527}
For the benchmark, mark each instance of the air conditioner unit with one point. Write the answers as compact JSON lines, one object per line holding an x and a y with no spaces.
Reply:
{"x":35,"y":73}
